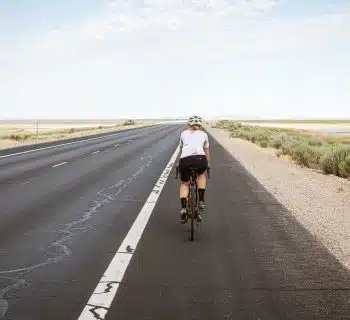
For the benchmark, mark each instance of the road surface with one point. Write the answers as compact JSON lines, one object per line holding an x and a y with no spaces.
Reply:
{"x":89,"y":230}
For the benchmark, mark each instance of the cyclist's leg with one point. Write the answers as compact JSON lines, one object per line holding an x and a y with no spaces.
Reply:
{"x":202,"y":165}
{"x":184,"y":186}
{"x":184,"y":190}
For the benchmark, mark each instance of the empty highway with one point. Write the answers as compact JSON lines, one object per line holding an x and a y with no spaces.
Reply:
{"x":89,"y":230}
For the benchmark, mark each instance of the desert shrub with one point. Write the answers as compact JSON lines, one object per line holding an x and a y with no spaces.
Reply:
{"x":306,"y":155}
{"x":263,"y":144}
{"x":344,"y":167}
{"x":333,"y":157}
{"x":19,"y":137}
{"x":316,"y":142}
{"x":129,"y":123}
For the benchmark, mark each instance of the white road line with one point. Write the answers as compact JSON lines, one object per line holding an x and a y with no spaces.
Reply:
{"x":59,"y":164}
{"x":96,"y":152}
{"x":105,"y":291}
{"x":67,"y":143}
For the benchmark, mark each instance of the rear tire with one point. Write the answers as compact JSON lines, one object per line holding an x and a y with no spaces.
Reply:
{"x":193,"y":210}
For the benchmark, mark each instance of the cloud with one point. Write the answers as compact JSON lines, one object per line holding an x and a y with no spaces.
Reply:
{"x":133,"y":17}
{"x":170,"y":15}
{"x":184,"y":51}
{"x":239,"y":26}
{"x":130,"y":33}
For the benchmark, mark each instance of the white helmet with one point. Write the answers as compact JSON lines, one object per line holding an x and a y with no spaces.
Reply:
{"x":195,"y":120}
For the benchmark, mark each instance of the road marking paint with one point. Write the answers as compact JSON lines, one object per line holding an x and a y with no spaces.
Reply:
{"x":59,"y":164}
{"x":69,"y":143}
{"x":105,"y":291}
{"x":96,"y":152}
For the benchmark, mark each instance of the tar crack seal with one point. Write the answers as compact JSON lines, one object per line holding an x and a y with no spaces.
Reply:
{"x":3,"y":307}
{"x":93,"y":311}
{"x":109,"y":285}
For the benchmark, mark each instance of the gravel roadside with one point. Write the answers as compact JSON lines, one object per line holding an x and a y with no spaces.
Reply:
{"x":319,"y":202}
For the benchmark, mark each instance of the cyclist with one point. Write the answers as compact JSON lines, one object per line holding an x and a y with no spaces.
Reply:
{"x":194,"y":151}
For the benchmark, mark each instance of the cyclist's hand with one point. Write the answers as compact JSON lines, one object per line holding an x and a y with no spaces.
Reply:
{"x":208,"y":170}
{"x":177,"y":170}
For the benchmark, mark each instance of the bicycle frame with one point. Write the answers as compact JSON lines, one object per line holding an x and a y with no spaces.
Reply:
{"x":193,"y":198}
{"x":192,"y":203}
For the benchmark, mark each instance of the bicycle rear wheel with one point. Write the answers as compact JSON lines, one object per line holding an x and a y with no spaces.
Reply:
{"x":192,"y":209}
{"x":193,"y":204}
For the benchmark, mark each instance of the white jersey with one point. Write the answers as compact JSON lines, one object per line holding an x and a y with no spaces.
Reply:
{"x":193,"y":142}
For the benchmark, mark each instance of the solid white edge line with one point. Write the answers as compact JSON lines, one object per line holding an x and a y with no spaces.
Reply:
{"x":68,"y":143}
{"x":105,"y":291}
{"x":59,"y":164}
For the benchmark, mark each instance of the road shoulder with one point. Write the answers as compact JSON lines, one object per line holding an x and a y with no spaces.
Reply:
{"x":321,"y":203}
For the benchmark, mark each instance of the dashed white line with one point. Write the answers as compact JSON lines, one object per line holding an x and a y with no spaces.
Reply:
{"x":105,"y":291}
{"x":59,"y":164}
{"x":96,"y":152}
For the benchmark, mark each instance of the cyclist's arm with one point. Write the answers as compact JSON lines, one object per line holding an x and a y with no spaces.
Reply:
{"x":206,"y":149}
{"x":207,"y":154}
{"x":180,"y":144}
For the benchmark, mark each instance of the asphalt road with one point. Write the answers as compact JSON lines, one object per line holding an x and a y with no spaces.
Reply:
{"x":67,"y":214}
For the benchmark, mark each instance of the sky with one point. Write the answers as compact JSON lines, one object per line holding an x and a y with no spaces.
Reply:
{"x":174,"y":58}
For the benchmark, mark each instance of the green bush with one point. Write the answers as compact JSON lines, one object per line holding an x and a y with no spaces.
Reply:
{"x":306,"y":155}
{"x":344,"y":167}
{"x":334,"y":157}
{"x":288,"y":145}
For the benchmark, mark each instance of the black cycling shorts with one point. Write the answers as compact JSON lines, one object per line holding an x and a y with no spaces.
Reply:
{"x":199,"y":162}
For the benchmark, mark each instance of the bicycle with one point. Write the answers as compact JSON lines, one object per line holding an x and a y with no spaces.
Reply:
{"x":193,"y":199}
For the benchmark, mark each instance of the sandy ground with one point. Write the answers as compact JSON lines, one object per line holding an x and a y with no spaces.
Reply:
{"x":55,"y":128}
{"x":321,"y":203}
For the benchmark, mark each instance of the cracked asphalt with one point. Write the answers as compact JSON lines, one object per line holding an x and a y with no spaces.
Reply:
{"x":66,"y":210}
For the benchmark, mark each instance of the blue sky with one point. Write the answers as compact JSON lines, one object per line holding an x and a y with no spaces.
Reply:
{"x":139,"y":58}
